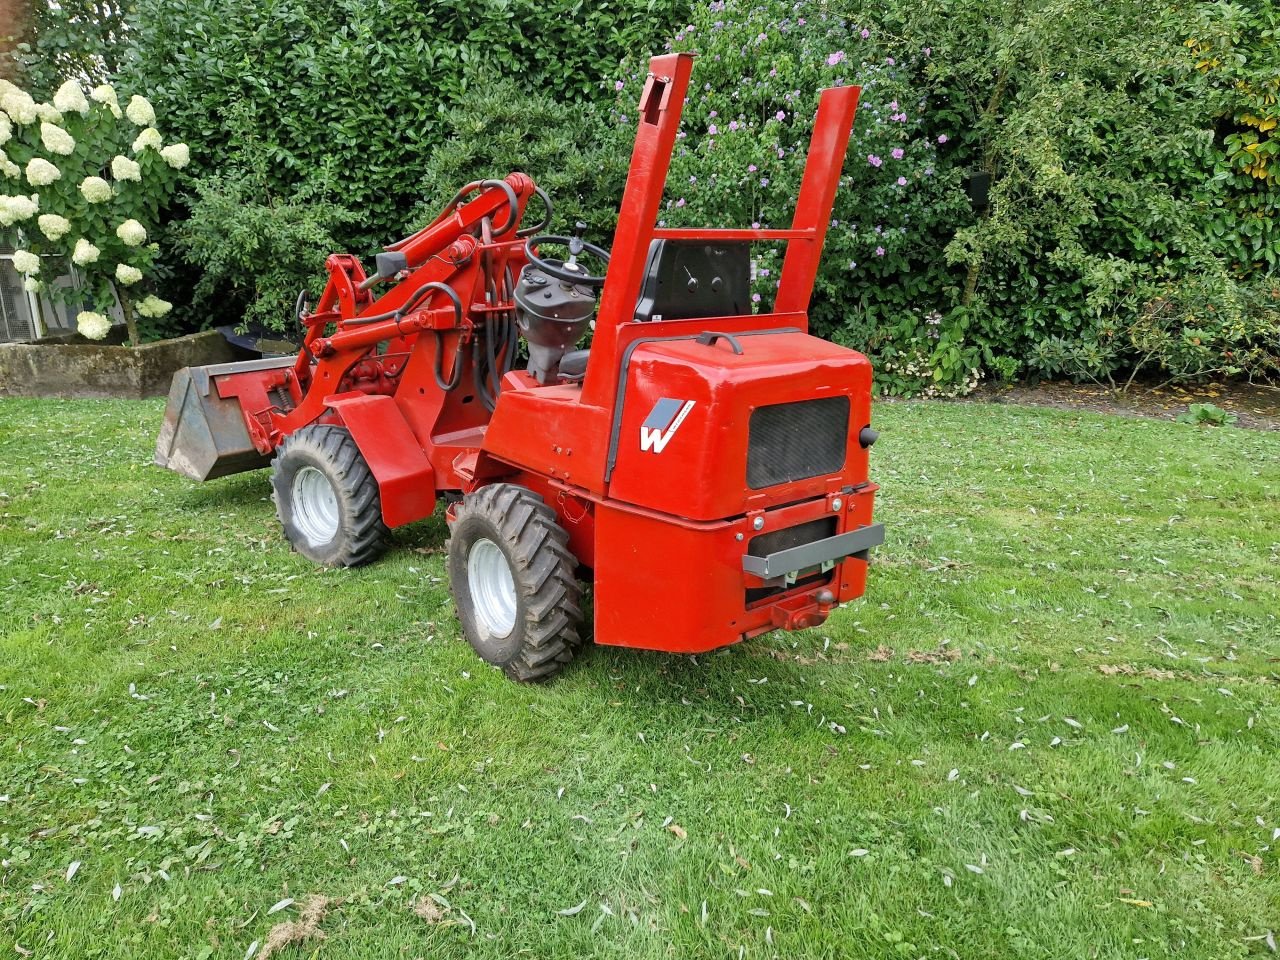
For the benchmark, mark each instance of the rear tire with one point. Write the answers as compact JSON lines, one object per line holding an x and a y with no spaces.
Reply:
{"x":327,"y":498}
{"x":514,"y":582}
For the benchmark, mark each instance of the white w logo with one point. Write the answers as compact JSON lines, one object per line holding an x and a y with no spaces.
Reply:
{"x":662,"y":423}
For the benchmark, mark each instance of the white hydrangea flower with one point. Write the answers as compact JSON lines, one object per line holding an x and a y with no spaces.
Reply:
{"x":41,"y":173}
{"x":122,"y":168}
{"x":6,"y":128}
{"x":153,"y":306}
{"x":70,"y":98}
{"x":103,"y":93}
{"x":18,"y":104}
{"x":149,"y":137}
{"x":48,"y":113}
{"x":95,"y":189}
{"x":56,"y":140}
{"x":8,"y":167}
{"x":132,"y":233}
{"x":127,"y":275}
{"x":176,"y":155}
{"x":16,"y":209}
{"x":26,"y":262}
{"x":53,"y":226}
{"x":85,"y":253}
{"x":92,"y":325}
{"x":140,"y":111}
{"x":32,"y":285}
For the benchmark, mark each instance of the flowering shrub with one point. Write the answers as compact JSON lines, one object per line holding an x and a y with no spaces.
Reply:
{"x":79,"y":180}
{"x":741,"y":155}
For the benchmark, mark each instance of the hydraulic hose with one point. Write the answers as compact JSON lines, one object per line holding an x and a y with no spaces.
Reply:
{"x":513,"y":210}
{"x":546,"y":220}
{"x":438,"y":369}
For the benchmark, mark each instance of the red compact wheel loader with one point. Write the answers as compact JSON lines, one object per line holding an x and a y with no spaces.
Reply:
{"x":702,"y":466}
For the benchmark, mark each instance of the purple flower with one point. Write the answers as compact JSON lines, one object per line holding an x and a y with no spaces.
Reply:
{"x":874,"y":160}
{"x":693,"y":179}
{"x":680,"y":202}
{"x":879,"y":251}
{"x":733,"y":124}
{"x":893,"y":105}
{"x":902,"y":181}
{"x":853,"y":264}
{"x":780,"y":115}
{"x":928,"y":51}
{"x":712,"y":130}
{"x":834,"y":58}
{"x":890,"y":61}
{"x":865,"y":33}
{"x":898,"y":153}
{"x":714,"y":114}
{"x":618,"y":85}
{"x":755,"y":225}
{"x":755,"y":298}
{"x":942,"y":138}
{"x":751,"y":168}
{"x":764,"y":181}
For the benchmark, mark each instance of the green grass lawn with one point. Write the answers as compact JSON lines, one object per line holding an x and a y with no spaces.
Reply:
{"x":1050,"y":729}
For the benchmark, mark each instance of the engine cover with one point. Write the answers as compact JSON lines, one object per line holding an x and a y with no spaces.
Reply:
{"x":706,"y":432}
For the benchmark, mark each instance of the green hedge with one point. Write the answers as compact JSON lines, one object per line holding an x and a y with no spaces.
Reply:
{"x":1130,"y":223}
{"x":1121,"y":230}
{"x":355,"y":94}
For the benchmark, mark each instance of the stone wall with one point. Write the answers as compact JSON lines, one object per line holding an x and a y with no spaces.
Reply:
{"x":84,"y":369}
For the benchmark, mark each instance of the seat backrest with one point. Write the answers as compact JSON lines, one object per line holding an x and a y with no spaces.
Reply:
{"x":687,"y":279}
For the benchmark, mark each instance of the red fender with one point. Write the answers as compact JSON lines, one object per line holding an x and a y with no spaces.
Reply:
{"x":406,"y":482}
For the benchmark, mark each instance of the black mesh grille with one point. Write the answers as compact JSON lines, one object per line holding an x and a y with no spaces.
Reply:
{"x":795,"y":441}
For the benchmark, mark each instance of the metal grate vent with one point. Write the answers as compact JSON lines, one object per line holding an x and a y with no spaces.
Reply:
{"x":16,"y":322}
{"x":795,"y":441}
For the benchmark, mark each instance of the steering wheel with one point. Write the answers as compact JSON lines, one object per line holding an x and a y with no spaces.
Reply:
{"x":567,"y":271}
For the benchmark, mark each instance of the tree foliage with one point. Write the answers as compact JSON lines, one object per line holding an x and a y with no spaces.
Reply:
{"x":257,"y":248}
{"x":70,"y":39}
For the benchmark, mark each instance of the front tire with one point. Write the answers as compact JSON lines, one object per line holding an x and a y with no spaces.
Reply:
{"x":327,"y":498}
{"x":514,"y":582}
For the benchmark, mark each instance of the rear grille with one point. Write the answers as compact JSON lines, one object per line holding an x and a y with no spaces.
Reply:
{"x":795,"y":441}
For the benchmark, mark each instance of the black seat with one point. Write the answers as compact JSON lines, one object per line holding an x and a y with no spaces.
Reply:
{"x":684,"y":280}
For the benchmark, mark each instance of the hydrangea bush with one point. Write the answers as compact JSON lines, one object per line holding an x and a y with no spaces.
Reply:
{"x":741,"y":155}
{"x":84,"y":178}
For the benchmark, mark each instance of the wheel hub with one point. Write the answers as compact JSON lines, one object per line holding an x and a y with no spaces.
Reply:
{"x":493,"y":590}
{"x":315,"y":506}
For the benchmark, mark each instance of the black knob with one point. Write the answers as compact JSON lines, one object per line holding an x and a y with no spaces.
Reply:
{"x":867,"y":436}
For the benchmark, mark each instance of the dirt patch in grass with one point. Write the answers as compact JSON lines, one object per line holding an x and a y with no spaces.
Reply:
{"x":941,"y":655}
{"x":311,"y":912}
{"x":429,"y":910}
{"x":1255,"y":407}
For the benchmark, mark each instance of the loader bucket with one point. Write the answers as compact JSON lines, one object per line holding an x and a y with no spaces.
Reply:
{"x":204,"y":435}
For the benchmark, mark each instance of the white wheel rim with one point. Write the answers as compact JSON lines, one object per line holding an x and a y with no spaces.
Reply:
{"x":315,"y":506}
{"x":493,"y":590}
